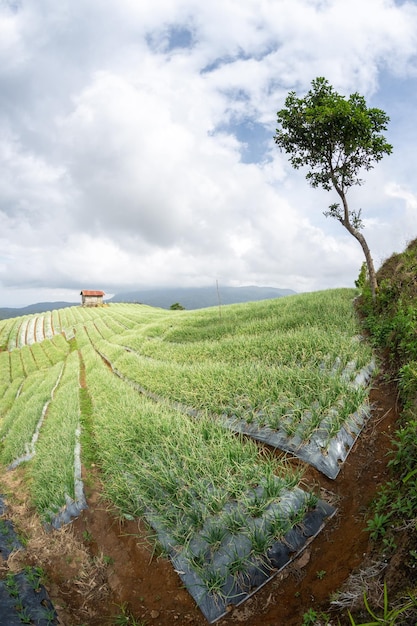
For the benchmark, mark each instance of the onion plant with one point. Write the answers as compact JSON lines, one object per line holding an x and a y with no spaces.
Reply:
{"x":66,"y":319}
{"x":9,"y":396}
{"x":277,"y":364}
{"x":39,"y":328}
{"x":48,"y":329}
{"x":4,"y":372}
{"x":5,"y":327}
{"x":13,"y":333}
{"x":28,"y":361}
{"x":16,"y":365}
{"x":40,"y":356}
{"x":56,"y":349}
{"x":56,"y":322}
{"x":24,"y":328}
{"x":207,"y":493}
{"x":52,"y":469}
{"x":34,"y":330}
{"x":216,"y":503}
{"x":19,"y":424}
{"x":136,"y":436}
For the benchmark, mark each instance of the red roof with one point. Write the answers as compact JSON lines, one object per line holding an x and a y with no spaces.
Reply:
{"x":86,"y":292}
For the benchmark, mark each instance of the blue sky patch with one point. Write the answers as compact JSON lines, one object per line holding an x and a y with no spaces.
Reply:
{"x":171,"y":38}
{"x":255,"y":138}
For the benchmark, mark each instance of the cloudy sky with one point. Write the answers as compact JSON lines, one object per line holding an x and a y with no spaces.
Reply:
{"x":136,"y":142}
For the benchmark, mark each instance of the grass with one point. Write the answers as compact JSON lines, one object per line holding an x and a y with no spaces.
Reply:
{"x":279,"y":364}
{"x":390,"y":615}
{"x":53,"y":473}
{"x":136,"y":436}
{"x":16,"y":365}
{"x":4,"y":372}
{"x":264,"y":367}
{"x":390,"y":322}
{"x":19,"y":424}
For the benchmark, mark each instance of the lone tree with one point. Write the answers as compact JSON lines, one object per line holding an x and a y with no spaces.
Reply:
{"x":335,"y":138}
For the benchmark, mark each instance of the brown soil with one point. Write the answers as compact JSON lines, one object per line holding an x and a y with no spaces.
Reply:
{"x":100,"y":567}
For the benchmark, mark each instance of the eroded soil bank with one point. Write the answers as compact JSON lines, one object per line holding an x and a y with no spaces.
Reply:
{"x":100,"y":568}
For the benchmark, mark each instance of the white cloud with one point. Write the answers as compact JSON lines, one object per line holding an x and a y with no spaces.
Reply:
{"x":394,"y":190}
{"x":124,"y":134}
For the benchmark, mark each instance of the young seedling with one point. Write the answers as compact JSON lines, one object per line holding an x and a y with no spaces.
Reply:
{"x":12,"y":586}
{"x":279,"y":526}
{"x":235,"y":521}
{"x":213,"y":581}
{"x":35,"y":576}
{"x":24,"y":615}
{"x":214,"y":535}
{"x":261,"y":539}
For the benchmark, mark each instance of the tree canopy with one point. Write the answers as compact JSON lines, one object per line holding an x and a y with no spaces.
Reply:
{"x":336,"y":138}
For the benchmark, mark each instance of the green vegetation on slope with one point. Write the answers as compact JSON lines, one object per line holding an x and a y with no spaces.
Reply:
{"x":392,"y":325}
{"x":289,"y":364}
{"x":52,"y":469}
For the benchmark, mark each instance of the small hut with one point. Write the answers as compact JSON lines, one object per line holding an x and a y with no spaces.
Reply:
{"x":91,"y":298}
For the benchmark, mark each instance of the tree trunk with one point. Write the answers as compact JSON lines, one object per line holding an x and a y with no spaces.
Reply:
{"x":359,"y":237}
{"x":369,"y":261}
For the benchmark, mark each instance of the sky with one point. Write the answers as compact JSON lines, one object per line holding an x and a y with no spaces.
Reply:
{"x":137,"y":151}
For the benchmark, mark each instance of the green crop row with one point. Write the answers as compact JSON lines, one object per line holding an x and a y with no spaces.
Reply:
{"x":274,"y":396}
{"x":9,"y":396}
{"x":5,"y":326}
{"x":28,"y":330}
{"x":52,"y":468}
{"x":270,"y":362}
{"x":288,"y":379}
{"x":19,"y":423}
{"x":56,"y":349}
{"x":13,"y":328}
{"x":4,"y":372}
{"x":157,"y":459}
{"x":274,"y":347}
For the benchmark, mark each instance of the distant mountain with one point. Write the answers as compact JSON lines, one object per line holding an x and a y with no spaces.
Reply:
{"x":188,"y":297}
{"x":40,"y":307}
{"x":200,"y":297}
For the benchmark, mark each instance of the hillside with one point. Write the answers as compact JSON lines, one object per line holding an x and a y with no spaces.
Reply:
{"x":188,"y":297}
{"x":107,"y":388}
{"x":201,"y":297}
{"x":39,"y":307}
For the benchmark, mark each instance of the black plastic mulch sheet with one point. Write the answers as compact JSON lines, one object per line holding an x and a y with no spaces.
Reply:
{"x":23,"y":599}
{"x":235,"y":591}
{"x":326,"y":456}
{"x":325,"y":453}
{"x":217,"y":585}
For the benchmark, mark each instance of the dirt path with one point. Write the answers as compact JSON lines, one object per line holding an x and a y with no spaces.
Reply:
{"x":99,"y":568}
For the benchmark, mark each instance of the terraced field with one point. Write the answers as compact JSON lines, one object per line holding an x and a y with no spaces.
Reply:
{"x":181,"y":412}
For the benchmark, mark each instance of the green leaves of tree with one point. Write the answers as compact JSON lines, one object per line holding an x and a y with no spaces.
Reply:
{"x":333,"y":136}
